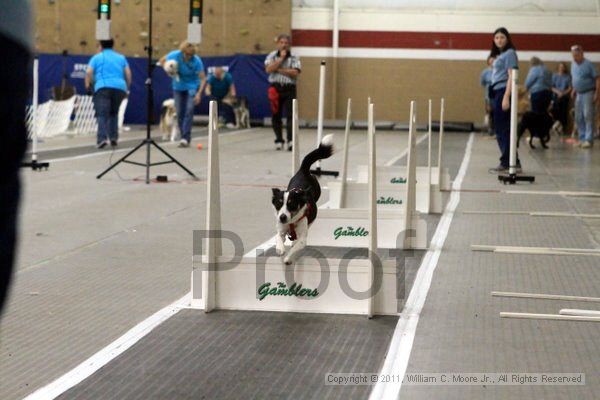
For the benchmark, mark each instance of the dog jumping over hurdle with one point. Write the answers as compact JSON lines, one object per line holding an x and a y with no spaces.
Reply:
{"x":296,"y":207}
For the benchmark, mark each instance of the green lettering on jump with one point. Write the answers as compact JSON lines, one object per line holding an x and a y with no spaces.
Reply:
{"x":398,"y":180}
{"x":388,"y":200}
{"x":350,"y":231}
{"x":266,"y":289}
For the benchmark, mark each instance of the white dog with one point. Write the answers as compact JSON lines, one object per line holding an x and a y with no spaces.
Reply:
{"x":172,"y":69}
{"x":168,"y":121}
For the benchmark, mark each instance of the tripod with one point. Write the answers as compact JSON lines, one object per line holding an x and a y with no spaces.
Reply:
{"x":148,"y":141}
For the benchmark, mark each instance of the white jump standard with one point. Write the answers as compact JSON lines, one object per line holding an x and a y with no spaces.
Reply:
{"x":263,"y":282}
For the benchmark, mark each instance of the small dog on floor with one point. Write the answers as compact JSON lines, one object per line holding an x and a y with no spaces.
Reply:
{"x":296,"y":207}
{"x":538,"y":125}
{"x":168,"y":120}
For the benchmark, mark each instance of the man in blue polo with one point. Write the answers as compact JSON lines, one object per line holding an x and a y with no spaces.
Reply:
{"x":586,"y":89}
{"x":220,"y":85}
{"x":109,"y":73}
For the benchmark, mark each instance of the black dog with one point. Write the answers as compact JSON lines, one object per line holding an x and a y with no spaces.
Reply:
{"x":296,"y":208}
{"x":538,"y":125}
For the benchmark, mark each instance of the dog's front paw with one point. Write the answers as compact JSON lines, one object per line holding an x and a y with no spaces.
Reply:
{"x":288,"y":260}
{"x":280,"y":250}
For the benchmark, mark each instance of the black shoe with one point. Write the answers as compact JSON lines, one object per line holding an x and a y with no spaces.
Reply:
{"x":113,"y":143}
{"x":290,"y":147}
{"x":499,"y":169}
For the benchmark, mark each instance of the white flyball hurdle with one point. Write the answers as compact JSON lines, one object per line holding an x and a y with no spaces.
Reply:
{"x":398,"y":228}
{"x":261,"y":282}
{"x":431,"y":180}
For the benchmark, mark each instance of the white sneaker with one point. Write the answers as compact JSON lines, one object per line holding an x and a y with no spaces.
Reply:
{"x":586,"y":145}
{"x":230,"y":126}
{"x":278,"y":146}
{"x":183,"y":143}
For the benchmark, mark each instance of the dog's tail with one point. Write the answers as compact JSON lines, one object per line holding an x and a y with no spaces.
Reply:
{"x":325,"y":150}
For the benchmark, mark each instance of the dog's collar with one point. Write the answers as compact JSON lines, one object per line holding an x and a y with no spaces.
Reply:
{"x":292,"y":225}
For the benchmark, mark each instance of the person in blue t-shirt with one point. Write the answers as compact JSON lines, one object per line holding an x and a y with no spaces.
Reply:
{"x":188,"y":85}
{"x":220,"y":85}
{"x":110,"y":75}
{"x":561,"y":88}
{"x":500,"y":88}
{"x":485,"y":80}
{"x":539,"y":85}
{"x":586,"y":89}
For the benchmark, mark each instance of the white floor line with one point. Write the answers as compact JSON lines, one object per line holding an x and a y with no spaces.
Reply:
{"x":104,"y":356}
{"x":405,"y":152}
{"x":396,"y":360}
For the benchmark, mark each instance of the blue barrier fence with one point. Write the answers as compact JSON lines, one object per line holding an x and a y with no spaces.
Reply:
{"x":248,"y":74}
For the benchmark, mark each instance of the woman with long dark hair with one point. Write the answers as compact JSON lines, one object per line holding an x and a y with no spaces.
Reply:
{"x":500,"y":91}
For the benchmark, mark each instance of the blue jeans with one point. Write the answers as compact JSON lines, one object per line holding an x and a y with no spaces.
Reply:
{"x":502,"y":126}
{"x":184,"y":104}
{"x":106,"y":103}
{"x":584,"y":116}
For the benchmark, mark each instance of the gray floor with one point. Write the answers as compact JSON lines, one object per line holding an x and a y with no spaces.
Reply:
{"x":98,"y":257}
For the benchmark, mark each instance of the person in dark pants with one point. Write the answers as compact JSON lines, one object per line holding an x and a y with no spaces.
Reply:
{"x":539,"y":85}
{"x":500,"y":88}
{"x":283,"y":68}
{"x":110,"y":75}
{"x":15,"y":42}
{"x":561,"y":87}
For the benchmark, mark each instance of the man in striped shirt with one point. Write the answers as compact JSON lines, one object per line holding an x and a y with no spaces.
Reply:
{"x":283,"y":68}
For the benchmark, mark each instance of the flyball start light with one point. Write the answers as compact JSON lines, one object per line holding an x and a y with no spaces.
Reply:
{"x":103,"y":22}
{"x":195,"y":24}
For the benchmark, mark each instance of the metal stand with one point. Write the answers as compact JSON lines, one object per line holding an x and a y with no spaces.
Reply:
{"x":512,"y":176}
{"x":318,"y":171}
{"x":148,"y":142}
{"x":34,"y":164}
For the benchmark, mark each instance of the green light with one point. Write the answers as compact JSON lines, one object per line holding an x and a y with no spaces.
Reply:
{"x":104,"y":8}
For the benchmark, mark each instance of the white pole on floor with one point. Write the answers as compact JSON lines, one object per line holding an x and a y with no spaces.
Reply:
{"x":543,"y":296}
{"x":429,"y":133}
{"x":410,"y":204}
{"x":514,"y":104}
{"x":344,"y":175}
{"x":34,"y":106}
{"x":295,"y":138}
{"x":555,"y":317}
{"x":213,"y":210}
{"x":581,"y":313}
{"x":322,"y":71}
{"x":372,"y":207}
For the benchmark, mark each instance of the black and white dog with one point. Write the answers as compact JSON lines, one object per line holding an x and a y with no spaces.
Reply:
{"x":296,"y":207}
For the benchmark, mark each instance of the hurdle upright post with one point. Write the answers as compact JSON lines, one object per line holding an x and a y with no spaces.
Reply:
{"x":34,"y":164}
{"x":318,"y":171}
{"x":429,"y":140}
{"x":373,"y":258}
{"x":213,"y":211}
{"x":344,"y":176}
{"x":295,"y":138}
{"x":411,"y":171}
{"x":441,"y":143}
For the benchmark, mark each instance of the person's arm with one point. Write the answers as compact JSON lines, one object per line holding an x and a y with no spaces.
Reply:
{"x":507,"y":92}
{"x":232,"y":90}
{"x":597,"y":92}
{"x":128,"y":77}
{"x":274,"y":65}
{"x":198,"y":96}
{"x":208,"y":90}
{"x":89,"y":78}
{"x":162,"y":60}
{"x":291,"y":72}
{"x":530,"y":80}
